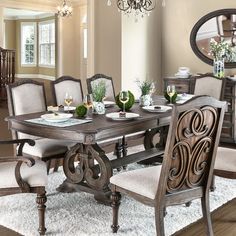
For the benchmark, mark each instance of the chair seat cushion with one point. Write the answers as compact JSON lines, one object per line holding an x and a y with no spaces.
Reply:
{"x":46,"y":147}
{"x":34,"y":176}
{"x":142,"y":181}
{"x":225,"y":159}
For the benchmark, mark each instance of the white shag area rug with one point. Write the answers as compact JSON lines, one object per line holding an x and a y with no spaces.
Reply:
{"x":78,"y":214}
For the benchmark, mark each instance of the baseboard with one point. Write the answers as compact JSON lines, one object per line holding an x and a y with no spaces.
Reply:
{"x":34,"y":76}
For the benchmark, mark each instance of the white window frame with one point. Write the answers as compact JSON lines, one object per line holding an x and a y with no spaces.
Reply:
{"x":39,"y":59}
{"x":35,"y":44}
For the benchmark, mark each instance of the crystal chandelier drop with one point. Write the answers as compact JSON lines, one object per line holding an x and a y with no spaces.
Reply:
{"x":139,"y":7}
{"x":64,"y":10}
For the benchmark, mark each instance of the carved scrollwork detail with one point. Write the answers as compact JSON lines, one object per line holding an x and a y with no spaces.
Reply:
{"x":197,"y":122}
{"x":74,"y":174}
{"x":193,"y":144}
{"x":97,"y":176}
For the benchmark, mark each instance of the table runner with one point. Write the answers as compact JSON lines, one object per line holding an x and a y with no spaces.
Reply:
{"x":67,"y":123}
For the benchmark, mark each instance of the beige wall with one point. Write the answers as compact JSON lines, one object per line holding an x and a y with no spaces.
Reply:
{"x":107,"y":42}
{"x":179,"y":17}
{"x":141,"y":50}
{"x":10,"y":34}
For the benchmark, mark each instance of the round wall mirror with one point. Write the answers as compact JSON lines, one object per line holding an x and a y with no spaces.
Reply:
{"x":218,"y":26}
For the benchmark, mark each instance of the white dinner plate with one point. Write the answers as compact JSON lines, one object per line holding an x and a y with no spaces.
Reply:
{"x":116,"y":116}
{"x":109,"y":103}
{"x":157,"y":108}
{"x":57,"y":117}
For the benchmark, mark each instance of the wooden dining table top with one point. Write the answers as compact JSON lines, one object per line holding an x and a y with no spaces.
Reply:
{"x":100,"y":128}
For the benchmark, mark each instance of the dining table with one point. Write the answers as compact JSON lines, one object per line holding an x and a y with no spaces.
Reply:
{"x":86,"y":165}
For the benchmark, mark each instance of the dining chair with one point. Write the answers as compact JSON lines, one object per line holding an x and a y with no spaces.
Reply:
{"x":28,"y":96}
{"x":121,"y":145}
{"x":21,"y":174}
{"x":210,"y":85}
{"x":67,"y":84}
{"x":225,"y":165}
{"x":187,"y":167}
{"x":110,"y":91}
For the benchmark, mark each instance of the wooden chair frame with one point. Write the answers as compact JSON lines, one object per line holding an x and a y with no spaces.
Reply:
{"x":170,"y":192}
{"x":24,"y":186}
{"x":11,"y":110}
{"x":62,"y":79}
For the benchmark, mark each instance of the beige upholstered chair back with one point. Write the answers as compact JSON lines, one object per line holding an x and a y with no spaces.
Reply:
{"x":27,"y":96}
{"x":209,"y":85}
{"x":67,"y":84}
{"x":110,"y":92}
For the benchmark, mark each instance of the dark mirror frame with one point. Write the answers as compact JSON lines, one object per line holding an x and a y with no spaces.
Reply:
{"x":197,"y":27}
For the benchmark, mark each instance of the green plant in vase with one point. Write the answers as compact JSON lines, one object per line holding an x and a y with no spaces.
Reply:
{"x":147,"y":88}
{"x":99,"y":93}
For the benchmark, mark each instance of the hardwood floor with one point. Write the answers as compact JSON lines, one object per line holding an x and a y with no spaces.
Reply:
{"x":224,"y":218}
{"x":224,"y":222}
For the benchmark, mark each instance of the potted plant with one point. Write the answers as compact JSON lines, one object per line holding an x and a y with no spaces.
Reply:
{"x":99,"y":93}
{"x":147,"y":88}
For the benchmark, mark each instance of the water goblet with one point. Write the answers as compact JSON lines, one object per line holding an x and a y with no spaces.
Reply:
{"x":124,"y":98}
{"x":88,"y":102}
{"x":68,"y":99}
{"x":171,"y":91}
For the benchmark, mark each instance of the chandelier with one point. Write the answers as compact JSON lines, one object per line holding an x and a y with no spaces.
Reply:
{"x":139,"y":7}
{"x":64,"y":10}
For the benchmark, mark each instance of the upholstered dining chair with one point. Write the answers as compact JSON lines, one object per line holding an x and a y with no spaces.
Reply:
{"x":225,"y":165}
{"x":121,"y":145}
{"x":21,"y":174}
{"x":67,"y":84}
{"x":187,"y":167}
{"x":28,"y":96}
{"x":110,"y":91}
{"x":210,"y":85}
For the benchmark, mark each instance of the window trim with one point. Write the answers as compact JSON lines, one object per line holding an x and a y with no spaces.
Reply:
{"x":46,"y":22}
{"x":35,"y":44}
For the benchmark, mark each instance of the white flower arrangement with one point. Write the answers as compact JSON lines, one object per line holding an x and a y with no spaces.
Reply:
{"x":222,"y":50}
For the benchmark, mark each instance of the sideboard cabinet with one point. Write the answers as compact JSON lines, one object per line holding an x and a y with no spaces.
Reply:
{"x":228,"y":134}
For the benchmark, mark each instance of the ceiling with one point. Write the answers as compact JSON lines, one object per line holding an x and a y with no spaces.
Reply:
{"x":19,"y":13}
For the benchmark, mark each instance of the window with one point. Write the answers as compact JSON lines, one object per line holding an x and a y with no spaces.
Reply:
{"x":28,"y":43}
{"x":47,"y":43}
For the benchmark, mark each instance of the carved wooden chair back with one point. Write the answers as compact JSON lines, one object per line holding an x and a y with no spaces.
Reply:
{"x":110,"y":91}
{"x":25,"y":96}
{"x":209,"y":85}
{"x":191,"y":147}
{"x":187,"y":168}
{"x":67,"y":84}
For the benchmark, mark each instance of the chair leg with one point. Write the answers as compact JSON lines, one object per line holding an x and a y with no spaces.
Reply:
{"x":213,"y":186}
{"x":115,"y":203}
{"x":159,"y":219}
{"x":41,"y":200}
{"x":56,"y":164}
{"x":48,"y":165}
{"x":207,"y":214}
{"x":118,"y":151}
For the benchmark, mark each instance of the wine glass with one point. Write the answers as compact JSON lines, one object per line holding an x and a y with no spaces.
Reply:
{"x":124,"y":98}
{"x":170,"y":91}
{"x":68,"y":100}
{"x":88,"y":102}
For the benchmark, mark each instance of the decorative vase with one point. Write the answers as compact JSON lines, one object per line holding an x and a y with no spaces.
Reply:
{"x":218,"y":68}
{"x":99,"y":107}
{"x":145,"y":100}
